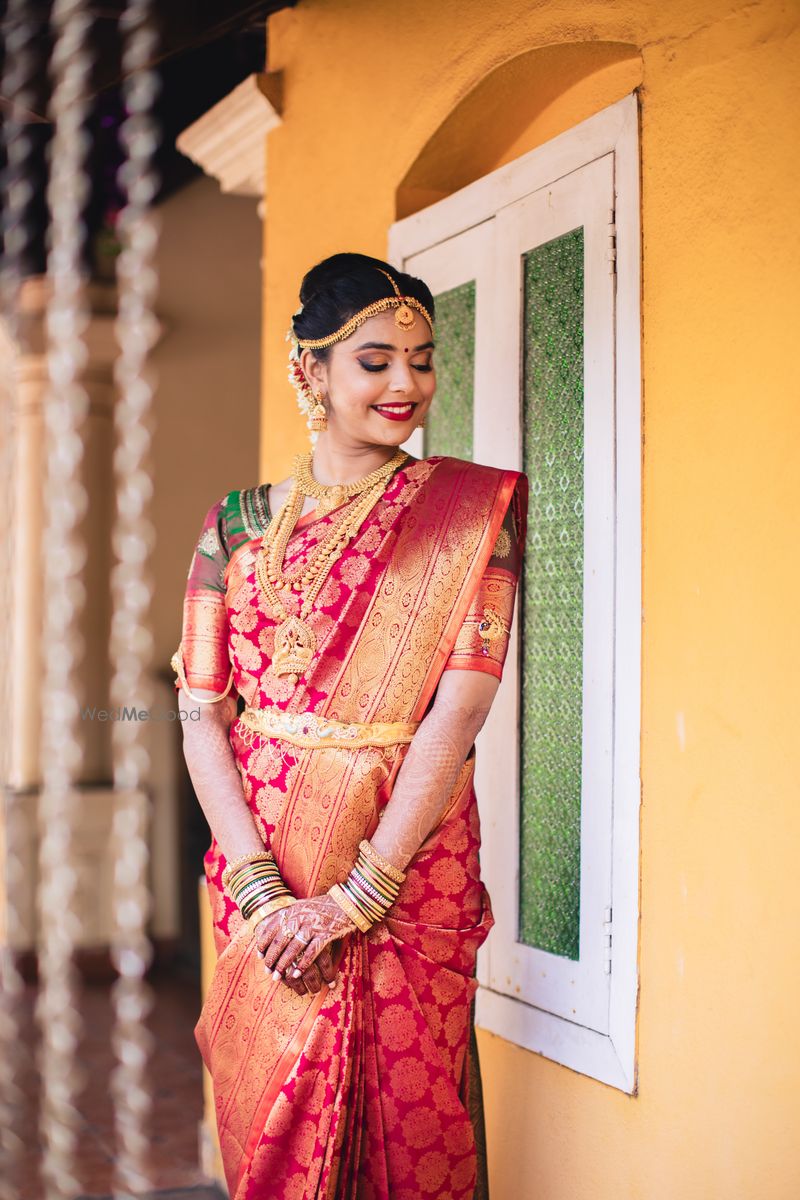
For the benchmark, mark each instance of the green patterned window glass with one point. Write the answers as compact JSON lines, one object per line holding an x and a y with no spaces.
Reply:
{"x":552,"y":603}
{"x":448,"y":425}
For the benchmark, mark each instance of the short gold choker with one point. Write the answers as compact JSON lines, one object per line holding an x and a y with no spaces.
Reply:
{"x":331,"y":496}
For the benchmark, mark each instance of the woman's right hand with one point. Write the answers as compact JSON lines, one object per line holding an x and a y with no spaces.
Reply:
{"x":322,"y":970}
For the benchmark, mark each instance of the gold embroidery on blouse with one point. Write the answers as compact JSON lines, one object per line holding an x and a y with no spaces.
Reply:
{"x":502,"y":547}
{"x":492,"y":626}
{"x":209,"y":543}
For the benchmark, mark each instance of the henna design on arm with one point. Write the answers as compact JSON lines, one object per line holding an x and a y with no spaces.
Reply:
{"x":215,"y":776}
{"x":433,"y":763}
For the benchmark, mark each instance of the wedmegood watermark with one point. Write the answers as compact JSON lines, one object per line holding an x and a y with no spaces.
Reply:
{"x":130,"y":712}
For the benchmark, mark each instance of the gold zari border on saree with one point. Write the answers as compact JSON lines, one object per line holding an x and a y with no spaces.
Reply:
{"x":313,"y":732}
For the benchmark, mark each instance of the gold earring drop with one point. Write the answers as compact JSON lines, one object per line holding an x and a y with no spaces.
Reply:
{"x":319,"y":418}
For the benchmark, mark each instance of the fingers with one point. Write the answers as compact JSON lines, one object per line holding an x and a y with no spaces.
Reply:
{"x":292,"y":942}
{"x":265,"y":938}
{"x":309,"y":981}
{"x":296,"y":985}
{"x":325,"y":964}
{"x":267,"y":931}
{"x":283,"y":950}
{"x":274,"y":951}
{"x":293,"y":952}
{"x":312,"y":979}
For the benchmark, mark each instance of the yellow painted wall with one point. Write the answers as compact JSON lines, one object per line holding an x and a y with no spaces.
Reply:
{"x":367,"y":87}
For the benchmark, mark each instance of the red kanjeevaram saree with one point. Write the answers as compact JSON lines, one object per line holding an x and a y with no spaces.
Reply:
{"x":362,"y":1091}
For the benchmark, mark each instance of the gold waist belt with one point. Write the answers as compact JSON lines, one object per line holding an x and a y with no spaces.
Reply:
{"x":309,"y":730}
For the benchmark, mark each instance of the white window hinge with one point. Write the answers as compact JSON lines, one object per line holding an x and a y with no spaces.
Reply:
{"x":611,"y":250}
{"x":607,"y":941}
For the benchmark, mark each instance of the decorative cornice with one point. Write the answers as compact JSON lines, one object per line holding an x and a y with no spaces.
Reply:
{"x":229,"y":141}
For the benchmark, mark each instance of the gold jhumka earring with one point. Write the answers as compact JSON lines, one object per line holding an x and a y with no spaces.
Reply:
{"x":318,"y":418}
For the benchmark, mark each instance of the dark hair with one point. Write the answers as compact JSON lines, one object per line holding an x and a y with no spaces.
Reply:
{"x":340,"y":286}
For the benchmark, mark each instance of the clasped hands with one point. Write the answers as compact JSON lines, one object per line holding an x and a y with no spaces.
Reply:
{"x":295,"y":942}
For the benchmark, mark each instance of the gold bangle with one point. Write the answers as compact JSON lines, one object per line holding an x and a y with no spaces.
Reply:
{"x":246,"y":876}
{"x":271,"y":906}
{"x":249,"y":880}
{"x":383,"y":864}
{"x":177,"y":666}
{"x":251,"y":885}
{"x":349,"y":909}
{"x":365,"y":883}
{"x":252,"y":857}
{"x":362,"y":899}
{"x":386,"y":886}
{"x":250,"y":903}
{"x":262,"y":890}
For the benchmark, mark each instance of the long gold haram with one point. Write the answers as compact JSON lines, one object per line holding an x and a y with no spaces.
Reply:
{"x":295,"y":642}
{"x":276,"y":541}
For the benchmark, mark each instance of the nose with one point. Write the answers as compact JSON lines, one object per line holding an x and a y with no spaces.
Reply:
{"x":402,"y":381}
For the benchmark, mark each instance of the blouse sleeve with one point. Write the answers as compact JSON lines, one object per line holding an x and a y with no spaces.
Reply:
{"x":482,"y":642}
{"x":202,"y":657}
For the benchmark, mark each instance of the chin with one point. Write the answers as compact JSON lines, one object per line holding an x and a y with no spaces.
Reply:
{"x":396,"y":437}
{"x":396,"y":440}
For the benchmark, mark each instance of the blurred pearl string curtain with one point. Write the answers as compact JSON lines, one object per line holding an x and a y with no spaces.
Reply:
{"x":131,"y":636}
{"x":20,"y":64}
{"x":64,"y":595}
{"x":64,"y":557}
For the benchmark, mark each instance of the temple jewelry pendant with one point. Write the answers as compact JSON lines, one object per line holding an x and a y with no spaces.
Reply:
{"x":404,"y":317}
{"x":335,"y":497}
{"x":295,"y":646}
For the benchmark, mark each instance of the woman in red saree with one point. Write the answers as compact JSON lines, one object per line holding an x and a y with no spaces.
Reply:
{"x":343,"y":1061}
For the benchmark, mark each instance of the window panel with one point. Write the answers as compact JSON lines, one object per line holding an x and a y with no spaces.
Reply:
{"x":551,"y":242}
{"x":448,"y":425}
{"x":552,"y":597}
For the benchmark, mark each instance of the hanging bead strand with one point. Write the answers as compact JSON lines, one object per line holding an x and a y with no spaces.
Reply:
{"x":132,"y":590}
{"x":21,"y":65}
{"x":64,"y":552}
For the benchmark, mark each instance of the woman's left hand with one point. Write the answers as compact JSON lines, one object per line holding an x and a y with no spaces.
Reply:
{"x":303,"y":929}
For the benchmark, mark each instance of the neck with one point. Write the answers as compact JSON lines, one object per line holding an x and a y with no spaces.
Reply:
{"x":334,"y":463}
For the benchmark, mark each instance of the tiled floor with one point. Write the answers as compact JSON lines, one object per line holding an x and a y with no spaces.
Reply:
{"x":176,"y":1087}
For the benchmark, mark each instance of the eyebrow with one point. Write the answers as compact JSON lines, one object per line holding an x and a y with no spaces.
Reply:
{"x":389,"y":346}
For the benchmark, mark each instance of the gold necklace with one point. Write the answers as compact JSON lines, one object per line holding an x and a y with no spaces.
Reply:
{"x":277,"y":539}
{"x":333,"y":495}
{"x":295,"y":641}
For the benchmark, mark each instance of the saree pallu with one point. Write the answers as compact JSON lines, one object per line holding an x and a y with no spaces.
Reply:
{"x":361,"y":1091}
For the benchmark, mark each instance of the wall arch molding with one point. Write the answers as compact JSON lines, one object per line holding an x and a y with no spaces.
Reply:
{"x":522,"y":103}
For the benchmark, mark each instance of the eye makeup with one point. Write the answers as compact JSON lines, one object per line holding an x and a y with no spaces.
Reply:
{"x":373,"y":368}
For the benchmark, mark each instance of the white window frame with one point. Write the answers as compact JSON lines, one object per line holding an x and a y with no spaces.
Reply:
{"x":526,"y":995}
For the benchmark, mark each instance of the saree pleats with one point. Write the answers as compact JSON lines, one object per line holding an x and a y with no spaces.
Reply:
{"x":365,"y":1091}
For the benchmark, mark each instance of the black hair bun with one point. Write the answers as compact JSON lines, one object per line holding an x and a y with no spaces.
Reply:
{"x":326,"y":274}
{"x":340,"y":286}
